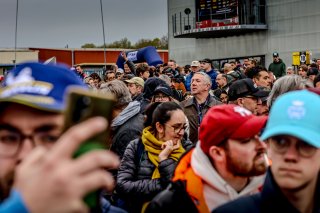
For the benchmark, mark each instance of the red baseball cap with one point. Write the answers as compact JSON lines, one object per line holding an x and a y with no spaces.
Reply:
{"x":228,"y":121}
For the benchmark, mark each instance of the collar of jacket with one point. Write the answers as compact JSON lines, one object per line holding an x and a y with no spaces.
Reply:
{"x":209,"y":101}
{"x":272,"y":197}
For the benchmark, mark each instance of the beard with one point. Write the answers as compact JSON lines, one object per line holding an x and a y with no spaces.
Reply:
{"x":5,"y":185}
{"x":245,"y":169}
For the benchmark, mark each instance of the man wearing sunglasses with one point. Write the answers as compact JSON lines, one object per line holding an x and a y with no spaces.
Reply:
{"x":293,"y":137}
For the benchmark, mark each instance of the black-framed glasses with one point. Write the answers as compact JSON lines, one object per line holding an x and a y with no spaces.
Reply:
{"x":281,"y":144}
{"x":11,"y":141}
{"x":252,"y":98}
{"x":158,"y":96}
{"x":177,"y":128}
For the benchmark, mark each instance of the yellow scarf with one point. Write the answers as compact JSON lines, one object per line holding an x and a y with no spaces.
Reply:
{"x":153,"y":147}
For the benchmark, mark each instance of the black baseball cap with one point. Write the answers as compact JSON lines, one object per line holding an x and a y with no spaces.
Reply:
{"x":165,"y":89}
{"x":245,"y":87}
{"x":275,"y":54}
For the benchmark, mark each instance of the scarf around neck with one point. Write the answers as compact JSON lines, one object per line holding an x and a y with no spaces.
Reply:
{"x":153,"y":147}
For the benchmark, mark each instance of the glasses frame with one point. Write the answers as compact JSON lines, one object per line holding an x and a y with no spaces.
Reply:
{"x":308,"y":153}
{"x":178,"y":129}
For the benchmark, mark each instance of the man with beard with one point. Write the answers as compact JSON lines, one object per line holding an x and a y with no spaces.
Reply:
{"x":228,"y":162}
{"x":293,"y":137}
{"x":37,"y":169}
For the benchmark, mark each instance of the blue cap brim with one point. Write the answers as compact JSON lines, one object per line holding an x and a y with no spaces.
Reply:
{"x":307,"y":135}
{"x":52,"y":107}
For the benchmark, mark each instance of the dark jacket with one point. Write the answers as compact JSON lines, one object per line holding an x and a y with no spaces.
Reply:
{"x":194,"y":115}
{"x":127,"y":129}
{"x":271,"y":199}
{"x":134,"y":183}
{"x":278,"y":69}
{"x":138,"y":98}
{"x":175,"y":197}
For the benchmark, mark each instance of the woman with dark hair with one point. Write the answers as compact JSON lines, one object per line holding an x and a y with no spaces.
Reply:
{"x":148,"y":162}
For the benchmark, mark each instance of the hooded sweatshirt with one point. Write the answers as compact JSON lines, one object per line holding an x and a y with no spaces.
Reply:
{"x":215,"y":189}
{"x":278,"y":68}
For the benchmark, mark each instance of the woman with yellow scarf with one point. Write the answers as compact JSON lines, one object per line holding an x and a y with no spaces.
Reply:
{"x":149,"y":162}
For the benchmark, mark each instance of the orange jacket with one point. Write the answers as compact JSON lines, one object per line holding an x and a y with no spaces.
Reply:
{"x":194,"y":185}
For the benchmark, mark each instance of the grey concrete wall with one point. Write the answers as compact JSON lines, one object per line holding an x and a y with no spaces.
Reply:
{"x":292,"y":26}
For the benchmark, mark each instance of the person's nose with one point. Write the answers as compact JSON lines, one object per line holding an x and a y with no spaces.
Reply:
{"x":26,"y":147}
{"x":260,"y":144}
{"x":291,"y":154}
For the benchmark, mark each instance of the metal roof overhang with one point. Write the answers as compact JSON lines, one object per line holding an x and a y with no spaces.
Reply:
{"x":217,"y":32}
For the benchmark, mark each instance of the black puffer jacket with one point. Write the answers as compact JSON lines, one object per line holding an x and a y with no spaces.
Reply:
{"x":134,"y":183}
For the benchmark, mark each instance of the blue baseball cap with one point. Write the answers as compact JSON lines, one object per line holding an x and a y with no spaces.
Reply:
{"x":39,"y":86}
{"x":295,"y":114}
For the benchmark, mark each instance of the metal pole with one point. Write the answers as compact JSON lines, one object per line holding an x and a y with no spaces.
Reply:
{"x":104,"y":38}
{"x":15,"y":36}
{"x":180,"y":22}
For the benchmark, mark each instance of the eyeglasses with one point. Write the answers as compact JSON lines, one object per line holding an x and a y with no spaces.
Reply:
{"x":281,"y":145}
{"x":161,"y":97}
{"x":178,"y":129}
{"x":11,"y":142}
{"x":252,"y":97}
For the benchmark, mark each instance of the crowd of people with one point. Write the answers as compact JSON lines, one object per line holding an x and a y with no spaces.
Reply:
{"x":183,"y":139}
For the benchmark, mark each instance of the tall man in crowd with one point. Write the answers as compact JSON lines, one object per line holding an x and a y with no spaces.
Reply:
{"x":228,"y":162}
{"x":196,"y":107}
{"x":293,"y":137}
{"x":277,"y":66}
{"x":206,"y":65}
{"x":36,"y":163}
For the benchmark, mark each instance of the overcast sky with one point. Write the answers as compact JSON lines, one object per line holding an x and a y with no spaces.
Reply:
{"x":57,"y":23}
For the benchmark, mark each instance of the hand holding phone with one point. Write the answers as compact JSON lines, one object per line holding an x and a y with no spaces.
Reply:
{"x":81,"y":105}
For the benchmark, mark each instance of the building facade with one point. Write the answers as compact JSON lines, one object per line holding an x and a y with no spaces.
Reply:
{"x":254,"y":28}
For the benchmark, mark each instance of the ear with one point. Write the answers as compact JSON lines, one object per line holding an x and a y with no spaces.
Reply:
{"x":240,"y":102}
{"x":159,"y":128}
{"x":254,"y":80}
{"x":217,"y":154}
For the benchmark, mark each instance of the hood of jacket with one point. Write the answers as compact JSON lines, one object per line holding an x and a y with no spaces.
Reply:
{"x":131,"y":110}
{"x":216,"y":190}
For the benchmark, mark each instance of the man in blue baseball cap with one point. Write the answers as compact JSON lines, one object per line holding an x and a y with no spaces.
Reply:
{"x":293,"y":136}
{"x":37,"y":171}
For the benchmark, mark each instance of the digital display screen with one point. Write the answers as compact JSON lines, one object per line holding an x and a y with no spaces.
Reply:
{"x":216,"y":9}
